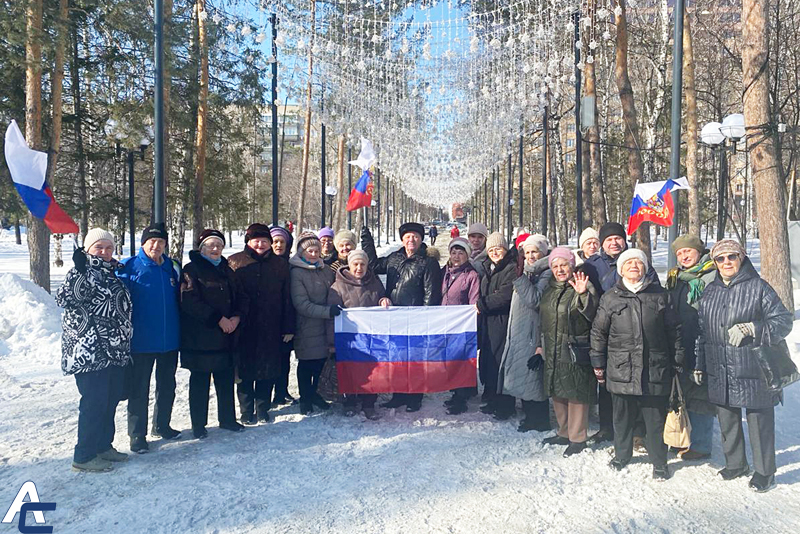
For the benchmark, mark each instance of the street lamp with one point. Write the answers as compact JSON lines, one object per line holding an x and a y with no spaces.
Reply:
{"x":331,"y":191}
{"x":716,"y":134}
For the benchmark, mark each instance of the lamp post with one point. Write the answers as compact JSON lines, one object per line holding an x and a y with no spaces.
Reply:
{"x":331,"y":191}
{"x":717,"y":134}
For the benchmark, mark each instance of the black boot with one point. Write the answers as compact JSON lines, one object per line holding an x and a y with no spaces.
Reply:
{"x":395,"y":402}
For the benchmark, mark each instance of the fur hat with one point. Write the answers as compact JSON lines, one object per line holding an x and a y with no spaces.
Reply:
{"x":460,"y":242}
{"x":688,"y":241}
{"x":537,"y":241}
{"x":257,"y":230}
{"x":478,"y":228}
{"x":630,"y":254}
{"x":412,"y":227}
{"x":308,"y":240}
{"x":609,"y":229}
{"x":357,"y":254}
{"x":94,"y":235}
{"x":561,"y":253}
{"x":155,"y":230}
{"x":587,"y":234}
{"x":344,"y":235}
{"x":207,"y":234}
{"x":496,"y":239}
{"x":727,"y":246}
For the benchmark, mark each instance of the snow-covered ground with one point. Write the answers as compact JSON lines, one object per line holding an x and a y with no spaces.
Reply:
{"x":422,"y":472}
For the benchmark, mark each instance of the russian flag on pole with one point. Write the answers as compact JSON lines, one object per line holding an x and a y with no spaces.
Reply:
{"x":406,"y":349}
{"x":653,"y":202}
{"x":361,"y":195}
{"x":28,"y":169}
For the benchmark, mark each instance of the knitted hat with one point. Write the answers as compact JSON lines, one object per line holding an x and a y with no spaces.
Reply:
{"x":276,"y":231}
{"x":609,"y":229}
{"x":257,"y":230}
{"x":460,"y":242}
{"x":587,"y":234}
{"x":344,"y":235}
{"x":208,"y":233}
{"x":412,"y":227}
{"x":520,"y":239}
{"x":630,"y":254}
{"x":726,"y":246}
{"x":357,"y":255}
{"x":325,"y":232}
{"x":537,"y":241}
{"x":155,"y":230}
{"x":688,"y":241}
{"x":308,"y":240}
{"x":561,"y":253}
{"x":478,"y":228}
{"x":496,"y":239}
{"x":94,"y":235}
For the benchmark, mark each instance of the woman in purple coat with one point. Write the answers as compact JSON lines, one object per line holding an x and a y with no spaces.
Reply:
{"x":461,"y":285}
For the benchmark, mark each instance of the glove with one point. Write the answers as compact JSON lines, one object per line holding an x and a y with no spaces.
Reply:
{"x":79,"y":259}
{"x":697,"y":377}
{"x":600,"y":375}
{"x":739,"y":332}
{"x":535,"y":362}
{"x":336,"y":310}
{"x":365,"y":232}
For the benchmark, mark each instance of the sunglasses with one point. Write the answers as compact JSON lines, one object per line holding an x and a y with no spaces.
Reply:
{"x":729,"y":257}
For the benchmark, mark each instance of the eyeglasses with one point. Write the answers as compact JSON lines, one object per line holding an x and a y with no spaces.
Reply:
{"x":729,"y":257}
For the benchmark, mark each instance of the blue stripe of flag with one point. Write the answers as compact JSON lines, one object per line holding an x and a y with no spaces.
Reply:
{"x":352,"y":347}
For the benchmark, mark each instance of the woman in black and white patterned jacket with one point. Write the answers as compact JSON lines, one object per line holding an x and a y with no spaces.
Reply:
{"x":95,"y":346}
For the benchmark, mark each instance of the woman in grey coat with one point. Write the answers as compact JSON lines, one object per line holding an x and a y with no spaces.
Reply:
{"x":310,"y":281}
{"x":517,"y":377}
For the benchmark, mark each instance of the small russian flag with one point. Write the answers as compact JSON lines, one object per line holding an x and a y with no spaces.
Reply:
{"x":28,"y":169}
{"x":652,"y":202}
{"x":361,"y":195}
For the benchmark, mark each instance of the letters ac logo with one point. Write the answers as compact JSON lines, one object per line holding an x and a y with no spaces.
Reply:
{"x":22,"y":507}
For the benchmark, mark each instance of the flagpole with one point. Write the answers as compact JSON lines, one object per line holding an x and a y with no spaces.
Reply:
{"x":675,"y":160}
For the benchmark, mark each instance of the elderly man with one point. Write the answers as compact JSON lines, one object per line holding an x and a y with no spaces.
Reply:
{"x":412,"y":279}
{"x":477,"y":234}
{"x":154,"y":283}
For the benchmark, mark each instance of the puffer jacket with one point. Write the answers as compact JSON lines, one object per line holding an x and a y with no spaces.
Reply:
{"x":636,"y":337}
{"x":494,"y":306}
{"x":209,"y":293}
{"x":733,"y":374}
{"x":97,"y":327}
{"x":264,"y":281}
{"x":560,"y":304}
{"x":348,"y":291}
{"x":414,"y":281}
{"x":602,"y":271}
{"x":522,"y":339}
{"x":460,"y":285}
{"x":310,"y":285}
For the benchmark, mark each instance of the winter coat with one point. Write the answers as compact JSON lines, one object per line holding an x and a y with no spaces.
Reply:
{"x":310,"y":284}
{"x":433,"y":232}
{"x":522,"y":338}
{"x":414,"y":281}
{"x":733,"y":374}
{"x":477,"y":262}
{"x":602,"y":271}
{"x":348,"y":291}
{"x":461,"y":285}
{"x":494,"y":305}
{"x":454,"y":233}
{"x":96,"y":324}
{"x":264,"y":281}
{"x":155,"y":293}
{"x":567,"y":317}
{"x":209,"y":293}
{"x":636,"y":337}
{"x":679,"y":288}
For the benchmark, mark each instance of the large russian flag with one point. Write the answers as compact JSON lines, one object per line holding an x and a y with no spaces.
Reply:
{"x":406,"y":349}
{"x":28,"y":169}
{"x":652,"y":201}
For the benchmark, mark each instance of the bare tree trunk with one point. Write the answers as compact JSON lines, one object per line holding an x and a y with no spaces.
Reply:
{"x":591,"y":151}
{"x":198,"y":221}
{"x":17,"y":232}
{"x":167,"y":10}
{"x":770,"y":200}
{"x":301,"y":203}
{"x":635,"y":166}
{"x":57,"y":86}
{"x":340,"y":213}
{"x":557,"y":157}
{"x":38,"y":233}
{"x":552,"y":235}
{"x":83,"y":193}
{"x":691,"y":127}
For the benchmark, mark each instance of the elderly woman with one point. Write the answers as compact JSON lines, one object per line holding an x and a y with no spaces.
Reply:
{"x":96,"y":347}
{"x":588,"y":245}
{"x":281,"y":246}
{"x":310,"y":281}
{"x":520,"y":373}
{"x":357,"y":286}
{"x":461,"y":285}
{"x":686,"y":283}
{"x":636,"y":344}
{"x":212,"y":306}
{"x":344,"y":241}
{"x":740,"y":312}
{"x":328,"y":253}
{"x":493,"y":307}
{"x":568,"y":307}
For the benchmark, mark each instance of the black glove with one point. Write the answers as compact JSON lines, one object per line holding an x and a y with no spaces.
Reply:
{"x":79,"y":259}
{"x":535,"y":362}
{"x":365,"y":233}
{"x":336,"y":310}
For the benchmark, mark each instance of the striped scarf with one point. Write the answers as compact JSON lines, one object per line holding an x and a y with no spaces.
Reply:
{"x":693,"y":277}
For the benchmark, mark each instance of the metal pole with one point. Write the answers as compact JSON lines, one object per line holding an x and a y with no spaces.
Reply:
{"x":485,"y":202}
{"x":388,"y":203}
{"x":349,"y":186}
{"x":675,"y":160}
{"x":273,"y":19}
{"x":722,"y":189}
{"x":509,"y":218}
{"x":378,"y":202}
{"x":544,"y":171}
{"x":131,"y":206}
{"x":159,"y":205}
{"x":521,"y":190}
{"x":578,"y":137}
{"x":323,"y":175}
{"x":491,"y":222}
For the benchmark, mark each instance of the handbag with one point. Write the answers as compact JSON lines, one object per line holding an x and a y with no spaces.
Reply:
{"x":328,"y":386}
{"x":777,"y":366}
{"x":677,"y":428}
{"x":578,"y":346}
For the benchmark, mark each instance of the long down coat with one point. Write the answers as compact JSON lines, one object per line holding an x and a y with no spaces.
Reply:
{"x":494,"y":306}
{"x":265,"y":282}
{"x":310,"y":284}
{"x":733,"y":374}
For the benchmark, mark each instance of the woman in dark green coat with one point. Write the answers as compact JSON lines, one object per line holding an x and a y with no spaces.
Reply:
{"x":567,"y":309}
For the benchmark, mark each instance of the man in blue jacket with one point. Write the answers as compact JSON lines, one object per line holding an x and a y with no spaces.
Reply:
{"x":154,"y":283}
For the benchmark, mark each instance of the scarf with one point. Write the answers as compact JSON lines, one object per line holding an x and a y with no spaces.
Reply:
{"x":476,"y":253}
{"x":693,"y":277}
{"x":634,"y":287}
{"x":215,"y":263}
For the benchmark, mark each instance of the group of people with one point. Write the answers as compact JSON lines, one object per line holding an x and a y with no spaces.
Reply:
{"x":571,"y":328}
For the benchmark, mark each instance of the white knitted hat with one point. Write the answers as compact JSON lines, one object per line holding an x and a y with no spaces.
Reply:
{"x":94,"y":235}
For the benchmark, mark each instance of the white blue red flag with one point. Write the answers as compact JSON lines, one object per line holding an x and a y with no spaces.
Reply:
{"x":406,"y":349}
{"x":28,"y":169}
{"x":361,"y":195}
{"x":653,"y":202}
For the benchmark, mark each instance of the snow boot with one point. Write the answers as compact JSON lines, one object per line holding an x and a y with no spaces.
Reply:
{"x":555,"y":440}
{"x":574,"y":448}
{"x":166,"y":433}
{"x":660,"y":472}
{"x":95,"y":465}
{"x":139,"y":445}
{"x":249,"y":419}
{"x":113,"y":455}
{"x":761,"y":483}
{"x":730,"y":474}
